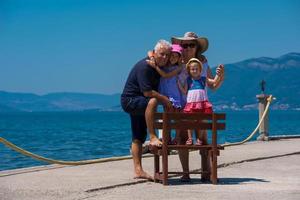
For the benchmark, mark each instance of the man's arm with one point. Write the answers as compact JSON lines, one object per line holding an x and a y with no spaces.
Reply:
{"x":144,"y":80}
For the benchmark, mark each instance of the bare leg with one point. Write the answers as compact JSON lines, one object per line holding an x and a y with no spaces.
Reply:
{"x":184,"y":156}
{"x":139,"y":173}
{"x":204,"y":157}
{"x":190,"y":134}
{"x":149,"y":115}
{"x":189,"y":140}
{"x":177,"y":136}
{"x":203,"y":136}
{"x":199,"y":137}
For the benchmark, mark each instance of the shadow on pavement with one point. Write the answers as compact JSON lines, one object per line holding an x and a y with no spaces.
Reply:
{"x":233,"y":181}
{"x":221,"y":181}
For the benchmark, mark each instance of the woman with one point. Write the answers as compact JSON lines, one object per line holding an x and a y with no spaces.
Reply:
{"x":193,"y":47}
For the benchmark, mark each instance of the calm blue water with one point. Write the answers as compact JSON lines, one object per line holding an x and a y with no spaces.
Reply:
{"x":83,"y":135}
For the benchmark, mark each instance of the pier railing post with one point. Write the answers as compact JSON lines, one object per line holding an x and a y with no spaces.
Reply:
{"x":264,"y":127}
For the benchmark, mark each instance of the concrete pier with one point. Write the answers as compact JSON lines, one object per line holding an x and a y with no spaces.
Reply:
{"x":255,"y":170}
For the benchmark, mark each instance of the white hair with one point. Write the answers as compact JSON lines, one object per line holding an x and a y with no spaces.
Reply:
{"x":162,"y":44}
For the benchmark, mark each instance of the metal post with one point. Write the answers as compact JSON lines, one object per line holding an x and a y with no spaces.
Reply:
{"x":264,"y":127}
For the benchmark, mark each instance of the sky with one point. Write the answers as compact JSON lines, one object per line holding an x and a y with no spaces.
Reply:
{"x":89,"y":46}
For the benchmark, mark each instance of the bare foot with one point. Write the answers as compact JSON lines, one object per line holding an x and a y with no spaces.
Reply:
{"x":143,"y":175}
{"x":155,"y":142}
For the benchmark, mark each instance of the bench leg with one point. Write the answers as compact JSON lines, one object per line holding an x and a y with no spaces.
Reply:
{"x":214,"y":166}
{"x":156,"y":167}
{"x":165,"y":165}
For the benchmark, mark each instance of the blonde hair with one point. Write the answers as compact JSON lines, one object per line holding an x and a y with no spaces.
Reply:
{"x":191,"y":62}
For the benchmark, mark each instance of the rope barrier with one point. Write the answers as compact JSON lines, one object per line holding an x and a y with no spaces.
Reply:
{"x":101,"y":160}
{"x":61,"y":162}
{"x":269,"y":99}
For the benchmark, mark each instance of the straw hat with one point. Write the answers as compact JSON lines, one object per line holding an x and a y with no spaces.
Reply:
{"x":191,"y":36}
{"x":194,"y":60}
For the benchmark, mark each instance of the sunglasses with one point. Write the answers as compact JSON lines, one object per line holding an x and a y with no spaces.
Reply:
{"x":191,"y":45}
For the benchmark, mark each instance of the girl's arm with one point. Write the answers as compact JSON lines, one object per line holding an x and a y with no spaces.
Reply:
{"x":169,"y":74}
{"x":183,"y":88}
{"x":162,"y":73}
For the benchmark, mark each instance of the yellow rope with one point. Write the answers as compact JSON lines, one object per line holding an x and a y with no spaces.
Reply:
{"x":52,"y":161}
{"x":84,"y":162}
{"x":270,"y":98}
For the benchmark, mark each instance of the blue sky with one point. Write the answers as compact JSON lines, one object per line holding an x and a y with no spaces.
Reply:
{"x":90,"y":46}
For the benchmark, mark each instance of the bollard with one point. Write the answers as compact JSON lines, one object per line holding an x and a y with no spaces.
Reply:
{"x":264,"y":127}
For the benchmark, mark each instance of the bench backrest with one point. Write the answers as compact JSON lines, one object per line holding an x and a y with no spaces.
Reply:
{"x":184,"y":121}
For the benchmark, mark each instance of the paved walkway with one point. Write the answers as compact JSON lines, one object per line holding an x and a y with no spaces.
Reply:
{"x":256,"y":170}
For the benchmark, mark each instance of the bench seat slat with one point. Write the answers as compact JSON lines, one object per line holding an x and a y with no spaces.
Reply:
{"x":190,"y":125}
{"x":178,"y":116}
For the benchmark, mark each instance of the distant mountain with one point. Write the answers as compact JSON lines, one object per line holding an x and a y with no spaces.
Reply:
{"x":242,"y":83}
{"x":57,"y":102}
{"x":238,"y":91}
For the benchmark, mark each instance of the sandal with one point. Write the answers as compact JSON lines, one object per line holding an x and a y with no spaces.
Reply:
{"x":189,"y":141}
{"x":198,"y":142}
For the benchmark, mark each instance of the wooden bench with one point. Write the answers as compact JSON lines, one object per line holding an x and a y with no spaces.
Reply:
{"x":168,"y":121}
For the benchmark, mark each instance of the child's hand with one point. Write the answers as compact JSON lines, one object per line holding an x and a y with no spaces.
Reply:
{"x":151,"y":62}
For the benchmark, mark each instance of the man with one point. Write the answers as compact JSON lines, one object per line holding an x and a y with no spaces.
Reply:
{"x":140,"y":99}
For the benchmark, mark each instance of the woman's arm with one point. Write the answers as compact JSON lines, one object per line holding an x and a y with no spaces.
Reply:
{"x":211,"y":81}
{"x":215,"y":82}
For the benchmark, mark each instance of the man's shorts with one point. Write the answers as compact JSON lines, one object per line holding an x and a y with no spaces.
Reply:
{"x":138,"y":127}
{"x":136,"y":107}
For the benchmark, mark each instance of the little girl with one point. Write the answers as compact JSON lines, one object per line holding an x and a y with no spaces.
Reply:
{"x":195,"y":87}
{"x":168,"y":81}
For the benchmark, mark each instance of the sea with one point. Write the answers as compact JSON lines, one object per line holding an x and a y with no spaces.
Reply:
{"x":74,"y":136}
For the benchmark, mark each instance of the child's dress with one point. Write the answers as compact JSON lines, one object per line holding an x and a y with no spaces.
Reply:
{"x":197,"y":100}
{"x":168,"y":87}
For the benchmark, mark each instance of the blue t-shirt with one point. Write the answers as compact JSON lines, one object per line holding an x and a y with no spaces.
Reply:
{"x":168,"y":87}
{"x":142,"y":78}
